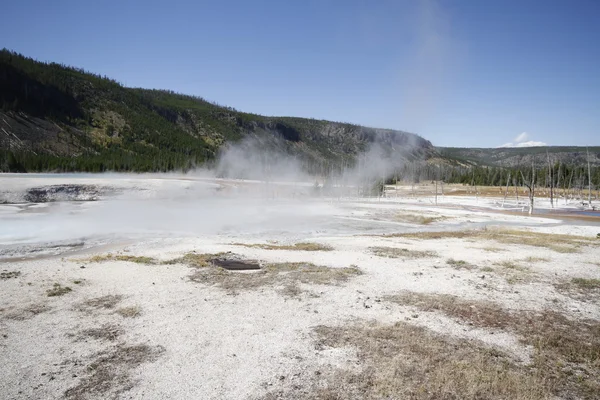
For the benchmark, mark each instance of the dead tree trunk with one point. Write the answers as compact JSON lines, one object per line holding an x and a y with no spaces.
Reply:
{"x":569,"y":187}
{"x":558,"y":182}
{"x":551,"y":180}
{"x":589,"y":179}
{"x":530,"y":186}
{"x":506,"y":191}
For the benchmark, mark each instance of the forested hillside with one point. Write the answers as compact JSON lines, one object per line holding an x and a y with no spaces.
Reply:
{"x":523,"y":156}
{"x":59,"y":118}
{"x":556,"y":166}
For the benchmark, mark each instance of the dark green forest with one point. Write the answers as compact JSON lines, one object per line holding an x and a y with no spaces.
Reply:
{"x":64,"y":119}
{"x":59,"y":118}
{"x":558,"y":175}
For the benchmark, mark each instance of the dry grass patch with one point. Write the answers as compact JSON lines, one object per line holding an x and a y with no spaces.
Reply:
{"x":556,"y":242}
{"x":303,"y":246}
{"x":118,"y":257}
{"x":567,"y":352}
{"x":9,"y":275}
{"x":129,"y":312}
{"x":433,"y":235}
{"x":415,"y":219}
{"x":514,"y":272}
{"x":491,"y":249}
{"x":395,"y":252}
{"x":536,"y":259}
{"x":108,"y":375}
{"x":459,"y":264}
{"x":195,"y":260}
{"x":512,"y":266}
{"x":58,"y":290}
{"x":107,"y":302}
{"x":105,"y":332}
{"x":291,"y":290}
{"x":207,"y":271}
{"x":28,"y":312}
{"x":402,"y":361}
{"x":583,"y":289}
{"x":585,"y":283}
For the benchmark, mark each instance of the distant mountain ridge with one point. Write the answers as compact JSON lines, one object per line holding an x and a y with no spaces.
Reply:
{"x":522,"y":156}
{"x":60,"y":118}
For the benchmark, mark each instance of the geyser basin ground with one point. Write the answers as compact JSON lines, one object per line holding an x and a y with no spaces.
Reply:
{"x":118,"y":296}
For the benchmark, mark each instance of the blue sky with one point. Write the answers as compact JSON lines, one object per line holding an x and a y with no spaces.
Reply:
{"x":458,"y":72}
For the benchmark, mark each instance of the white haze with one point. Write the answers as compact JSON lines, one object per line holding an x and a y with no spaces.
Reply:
{"x":275,"y":195}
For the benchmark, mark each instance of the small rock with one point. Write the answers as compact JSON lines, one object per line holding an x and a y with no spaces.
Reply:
{"x":82,"y":267}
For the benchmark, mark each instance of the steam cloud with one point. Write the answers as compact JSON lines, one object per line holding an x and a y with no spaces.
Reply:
{"x":253,"y":189}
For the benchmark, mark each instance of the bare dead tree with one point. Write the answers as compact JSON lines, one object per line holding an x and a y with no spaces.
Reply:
{"x":473,"y":184}
{"x":569,"y":187}
{"x":589,"y":178}
{"x":558,"y":182}
{"x":506,"y":191}
{"x":550,"y":179}
{"x":530,"y":186}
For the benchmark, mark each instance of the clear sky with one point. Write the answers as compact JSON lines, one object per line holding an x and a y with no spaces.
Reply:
{"x":458,"y":72}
